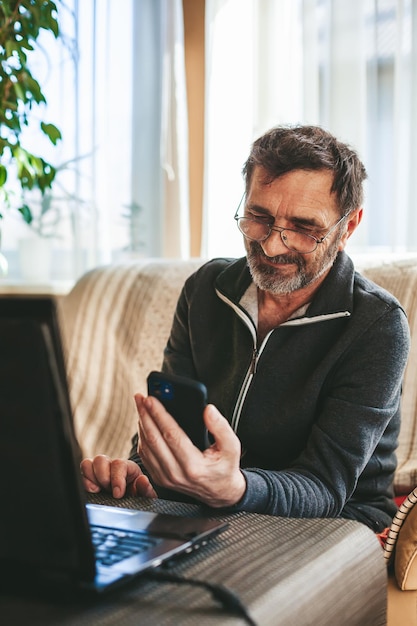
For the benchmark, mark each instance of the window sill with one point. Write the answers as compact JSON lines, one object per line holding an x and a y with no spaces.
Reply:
{"x":54,"y":288}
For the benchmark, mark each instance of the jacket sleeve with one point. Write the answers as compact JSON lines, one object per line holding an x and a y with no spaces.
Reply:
{"x":353,"y":439}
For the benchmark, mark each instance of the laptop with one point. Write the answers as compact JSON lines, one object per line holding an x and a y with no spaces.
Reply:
{"x":49,"y":534}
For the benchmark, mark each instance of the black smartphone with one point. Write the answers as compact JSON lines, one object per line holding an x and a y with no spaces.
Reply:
{"x":185,"y":400}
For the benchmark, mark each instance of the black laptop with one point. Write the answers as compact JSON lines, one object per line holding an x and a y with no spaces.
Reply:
{"x":49,"y":535}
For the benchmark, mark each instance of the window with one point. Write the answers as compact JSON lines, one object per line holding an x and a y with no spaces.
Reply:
{"x":348,"y":66}
{"x":115,"y":86}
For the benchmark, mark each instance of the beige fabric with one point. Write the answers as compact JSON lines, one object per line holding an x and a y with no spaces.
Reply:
{"x":401,"y":605}
{"x":401,"y":280}
{"x":116,"y":322}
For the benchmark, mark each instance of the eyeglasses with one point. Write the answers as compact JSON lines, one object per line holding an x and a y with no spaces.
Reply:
{"x":295,"y":240}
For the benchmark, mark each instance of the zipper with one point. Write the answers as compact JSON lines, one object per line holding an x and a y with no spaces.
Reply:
{"x":300,"y":321}
{"x":243,"y":391}
{"x":254,"y":360}
{"x":250,"y":374}
{"x":256,"y":352}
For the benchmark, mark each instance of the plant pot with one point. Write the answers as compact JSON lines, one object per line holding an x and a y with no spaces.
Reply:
{"x":35,"y":259}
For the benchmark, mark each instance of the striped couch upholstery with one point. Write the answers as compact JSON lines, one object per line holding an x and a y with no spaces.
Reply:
{"x":116,"y":322}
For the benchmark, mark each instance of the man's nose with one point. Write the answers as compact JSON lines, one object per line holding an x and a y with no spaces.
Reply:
{"x":273,"y":245}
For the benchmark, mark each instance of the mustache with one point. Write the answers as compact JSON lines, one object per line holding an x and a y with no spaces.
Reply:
{"x":256,"y":252}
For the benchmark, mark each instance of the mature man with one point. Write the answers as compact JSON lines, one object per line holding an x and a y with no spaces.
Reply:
{"x":303,"y":357}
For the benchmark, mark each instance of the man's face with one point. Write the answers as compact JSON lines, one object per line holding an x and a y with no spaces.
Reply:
{"x":300,"y":200}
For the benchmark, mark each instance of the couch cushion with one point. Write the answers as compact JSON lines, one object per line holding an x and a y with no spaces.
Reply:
{"x":400,"y":278}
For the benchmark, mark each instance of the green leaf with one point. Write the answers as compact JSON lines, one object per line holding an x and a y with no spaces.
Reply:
{"x":32,"y":87}
{"x":25,"y":172}
{"x":22,"y":56}
{"x":37,"y":164}
{"x":3,"y":175}
{"x":46,"y":179}
{"x":3,"y":144}
{"x":49,"y":20}
{"x":52,"y":132}
{"x":26,"y":213}
{"x":20,"y":93}
{"x":10,"y":47}
{"x":13,"y":123}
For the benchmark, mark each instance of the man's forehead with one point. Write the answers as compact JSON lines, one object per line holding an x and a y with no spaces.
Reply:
{"x":261,"y":176}
{"x":311,"y":185}
{"x":306,"y":194}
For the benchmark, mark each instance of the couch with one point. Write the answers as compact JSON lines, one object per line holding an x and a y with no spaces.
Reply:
{"x":116,"y":321}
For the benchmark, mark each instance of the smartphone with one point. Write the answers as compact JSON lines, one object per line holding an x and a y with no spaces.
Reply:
{"x":185,"y":400}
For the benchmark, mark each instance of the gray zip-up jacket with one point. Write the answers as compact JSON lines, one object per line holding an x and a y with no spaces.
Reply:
{"x":316,"y":406}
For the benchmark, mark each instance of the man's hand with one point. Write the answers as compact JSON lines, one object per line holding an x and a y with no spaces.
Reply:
{"x":212,"y":476}
{"x":117,"y":476}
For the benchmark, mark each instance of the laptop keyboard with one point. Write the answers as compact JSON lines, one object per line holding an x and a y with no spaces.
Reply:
{"x":112,"y":545}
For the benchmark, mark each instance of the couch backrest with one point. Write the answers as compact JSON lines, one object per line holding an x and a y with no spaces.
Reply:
{"x":116,"y":322}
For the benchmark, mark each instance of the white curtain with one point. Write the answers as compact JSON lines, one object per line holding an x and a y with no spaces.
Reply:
{"x":115,"y":86}
{"x":348,"y":66}
{"x":174,"y":145}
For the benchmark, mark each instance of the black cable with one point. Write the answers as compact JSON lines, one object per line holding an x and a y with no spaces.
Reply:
{"x":226,"y":597}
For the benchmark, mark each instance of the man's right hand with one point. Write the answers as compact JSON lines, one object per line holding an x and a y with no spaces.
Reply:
{"x":117,"y":476}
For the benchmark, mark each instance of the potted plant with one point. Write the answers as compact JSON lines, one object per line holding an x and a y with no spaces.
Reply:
{"x":21,"y":97}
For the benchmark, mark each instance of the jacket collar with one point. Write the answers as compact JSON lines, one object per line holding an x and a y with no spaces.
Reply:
{"x":334,"y":296}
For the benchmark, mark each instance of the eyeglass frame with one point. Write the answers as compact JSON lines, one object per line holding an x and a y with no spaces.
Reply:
{"x":280,"y":230}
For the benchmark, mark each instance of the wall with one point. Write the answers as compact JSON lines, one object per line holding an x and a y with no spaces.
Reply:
{"x":194,"y":58}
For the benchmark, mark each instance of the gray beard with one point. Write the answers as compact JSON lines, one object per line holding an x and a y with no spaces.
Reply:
{"x":268,"y":278}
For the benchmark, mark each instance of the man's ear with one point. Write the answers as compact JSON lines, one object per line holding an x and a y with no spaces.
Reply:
{"x":353,"y":221}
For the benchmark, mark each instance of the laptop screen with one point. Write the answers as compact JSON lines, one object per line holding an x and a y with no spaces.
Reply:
{"x":45,"y":531}
{"x":45,"y":522}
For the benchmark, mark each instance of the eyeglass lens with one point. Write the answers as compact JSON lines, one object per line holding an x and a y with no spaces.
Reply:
{"x":292,"y":239}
